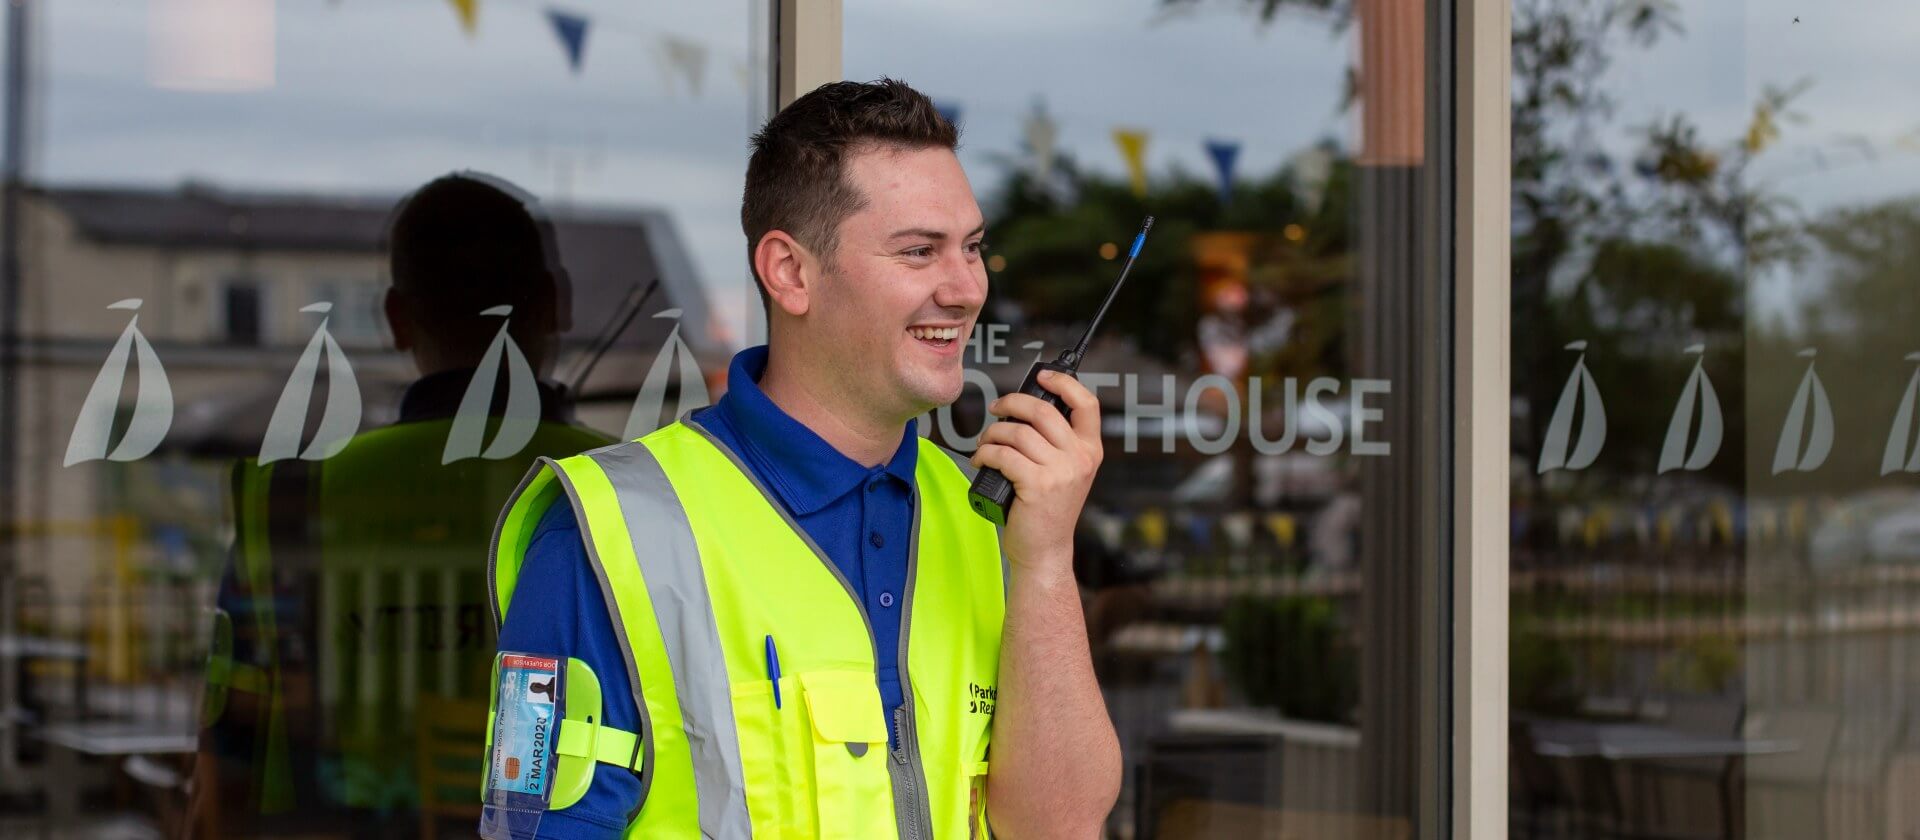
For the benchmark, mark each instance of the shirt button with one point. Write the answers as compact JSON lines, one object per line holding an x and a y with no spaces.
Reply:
{"x":874,"y":486}
{"x":876,"y":540}
{"x":886,"y":599}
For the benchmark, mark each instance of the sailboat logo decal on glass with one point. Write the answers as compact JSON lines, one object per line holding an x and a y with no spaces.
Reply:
{"x":342,"y":417}
{"x":152,"y":405}
{"x":1593,"y":421}
{"x":1810,"y":409}
{"x":675,"y":353}
{"x":522,"y":418}
{"x":1674,"y":454}
{"x":1898,"y":457}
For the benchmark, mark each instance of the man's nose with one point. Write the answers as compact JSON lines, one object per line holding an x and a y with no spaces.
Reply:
{"x":964,"y":285}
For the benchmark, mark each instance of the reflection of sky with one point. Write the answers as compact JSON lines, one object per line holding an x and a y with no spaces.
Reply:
{"x":379,"y":97}
{"x":1856,"y":57}
{"x":382,"y":97}
{"x":1098,"y":65}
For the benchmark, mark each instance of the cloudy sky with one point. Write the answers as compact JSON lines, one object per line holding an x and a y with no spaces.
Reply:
{"x":377,"y":96}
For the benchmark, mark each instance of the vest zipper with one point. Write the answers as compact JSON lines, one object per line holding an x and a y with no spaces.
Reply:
{"x":906,"y":791}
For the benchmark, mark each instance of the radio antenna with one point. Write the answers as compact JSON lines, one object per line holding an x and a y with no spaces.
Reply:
{"x":1071,"y":358}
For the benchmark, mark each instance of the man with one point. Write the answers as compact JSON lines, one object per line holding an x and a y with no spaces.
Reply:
{"x":356,"y":606}
{"x":823,"y":638}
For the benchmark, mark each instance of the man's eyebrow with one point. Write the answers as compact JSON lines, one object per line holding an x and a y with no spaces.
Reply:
{"x":929,"y":233}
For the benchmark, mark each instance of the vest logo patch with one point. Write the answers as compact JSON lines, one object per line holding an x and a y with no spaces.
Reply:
{"x":980,"y":699}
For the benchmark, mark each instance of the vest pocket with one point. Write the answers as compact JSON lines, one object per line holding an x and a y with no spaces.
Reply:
{"x":774,"y":758}
{"x":853,"y":794}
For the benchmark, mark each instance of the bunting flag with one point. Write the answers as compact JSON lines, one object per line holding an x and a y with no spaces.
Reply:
{"x":1224,"y":153}
{"x":1111,"y":529}
{"x":743,"y":74}
{"x":1766,"y":522}
{"x":1281,"y":526}
{"x":572,"y":30}
{"x":1041,"y":133}
{"x":469,"y":11}
{"x":1199,"y":530}
{"x":949,"y":111}
{"x":1152,"y":526}
{"x":1720,"y":516}
{"x":1238,"y":527}
{"x":1133,"y":147}
{"x":1909,"y":141}
{"x":684,"y":59}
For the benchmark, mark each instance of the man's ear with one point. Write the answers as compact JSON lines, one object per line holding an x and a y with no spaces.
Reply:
{"x":787,"y":271}
{"x":395,"y":307}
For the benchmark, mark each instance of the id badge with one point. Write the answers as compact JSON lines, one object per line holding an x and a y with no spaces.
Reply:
{"x":526,"y":719}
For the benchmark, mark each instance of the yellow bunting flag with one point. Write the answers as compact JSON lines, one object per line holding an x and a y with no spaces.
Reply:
{"x":1133,"y":147}
{"x":1153,"y":528}
{"x":1281,"y":526}
{"x":469,"y":11}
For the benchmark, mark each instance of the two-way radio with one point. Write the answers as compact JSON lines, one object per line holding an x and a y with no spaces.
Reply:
{"x":992,"y":494}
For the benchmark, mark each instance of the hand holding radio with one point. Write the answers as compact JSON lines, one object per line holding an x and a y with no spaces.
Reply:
{"x":992,"y":494}
{"x":1047,"y":448}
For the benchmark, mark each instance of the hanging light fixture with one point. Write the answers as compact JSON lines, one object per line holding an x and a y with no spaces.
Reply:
{"x":210,"y":45}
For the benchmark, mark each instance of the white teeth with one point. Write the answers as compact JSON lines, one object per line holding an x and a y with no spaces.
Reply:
{"x":934,"y":333}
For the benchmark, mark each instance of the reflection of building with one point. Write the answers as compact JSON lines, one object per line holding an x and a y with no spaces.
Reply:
{"x":221,"y":278}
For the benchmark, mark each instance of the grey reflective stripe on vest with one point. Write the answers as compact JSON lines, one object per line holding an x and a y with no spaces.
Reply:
{"x":606,"y":594}
{"x":670,"y":562}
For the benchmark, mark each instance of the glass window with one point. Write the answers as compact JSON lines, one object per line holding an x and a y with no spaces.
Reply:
{"x":1263,"y":561}
{"x":258,"y":255}
{"x":1716,"y":599}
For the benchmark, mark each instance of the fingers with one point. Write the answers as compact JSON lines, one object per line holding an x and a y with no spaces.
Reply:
{"x":1024,"y":439}
{"x":1018,"y":468}
{"x":1037,"y":413}
{"x":1083,"y":405}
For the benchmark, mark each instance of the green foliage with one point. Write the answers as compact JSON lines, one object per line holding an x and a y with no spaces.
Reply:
{"x":1859,"y":310}
{"x":1702,"y":665}
{"x":1289,"y":654}
{"x":1541,"y":671}
{"x":1050,"y":237}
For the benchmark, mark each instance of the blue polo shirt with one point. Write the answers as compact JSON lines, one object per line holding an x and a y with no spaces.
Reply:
{"x":860,"y":516}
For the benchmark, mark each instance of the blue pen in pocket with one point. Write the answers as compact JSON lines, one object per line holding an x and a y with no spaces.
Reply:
{"x":773,"y":671}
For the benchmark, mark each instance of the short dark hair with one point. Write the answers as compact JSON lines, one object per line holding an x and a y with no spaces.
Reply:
{"x":796,"y":179}
{"x":468,"y":241}
{"x":471,"y":240}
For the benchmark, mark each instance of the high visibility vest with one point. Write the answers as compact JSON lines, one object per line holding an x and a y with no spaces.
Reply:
{"x":359,"y":598}
{"x":699,"y":566}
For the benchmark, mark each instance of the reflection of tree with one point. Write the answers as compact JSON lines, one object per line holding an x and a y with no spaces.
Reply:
{"x":1051,"y":238}
{"x":1638,"y":259}
{"x":1861,"y":320}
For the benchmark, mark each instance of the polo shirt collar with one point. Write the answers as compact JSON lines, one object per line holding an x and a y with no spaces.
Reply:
{"x":799,"y":466}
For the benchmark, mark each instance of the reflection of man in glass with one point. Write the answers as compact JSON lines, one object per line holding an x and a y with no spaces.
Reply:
{"x":356,"y":607}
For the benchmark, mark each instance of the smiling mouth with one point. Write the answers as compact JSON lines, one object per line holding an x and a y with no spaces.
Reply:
{"x":935,"y":336}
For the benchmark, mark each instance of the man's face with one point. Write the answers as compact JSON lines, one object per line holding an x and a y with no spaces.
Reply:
{"x":907,"y":281}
